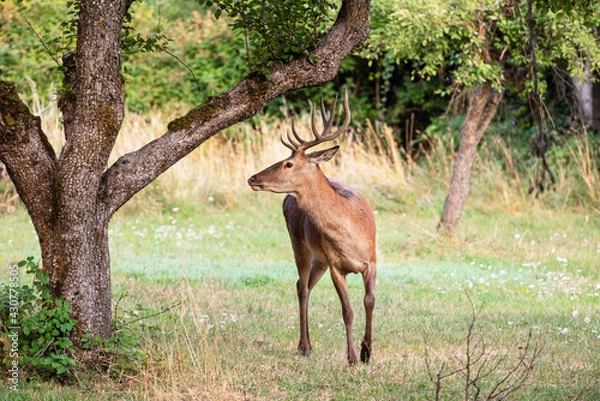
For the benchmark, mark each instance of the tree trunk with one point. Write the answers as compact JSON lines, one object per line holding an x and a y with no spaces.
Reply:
{"x":72,"y":197}
{"x":480,"y":113}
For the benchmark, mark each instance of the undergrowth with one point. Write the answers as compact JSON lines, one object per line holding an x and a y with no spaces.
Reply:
{"x":37,"y":334}
{"x":36,"y":328}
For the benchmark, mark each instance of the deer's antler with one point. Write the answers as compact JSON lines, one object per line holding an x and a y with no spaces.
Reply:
{"x":297,"y":144}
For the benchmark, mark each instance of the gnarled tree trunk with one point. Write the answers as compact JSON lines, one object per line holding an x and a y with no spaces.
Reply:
{"x":71,"y":197}
{"x":480,"y":113}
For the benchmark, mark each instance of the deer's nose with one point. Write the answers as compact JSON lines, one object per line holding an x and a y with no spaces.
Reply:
{"x":251,"y":179}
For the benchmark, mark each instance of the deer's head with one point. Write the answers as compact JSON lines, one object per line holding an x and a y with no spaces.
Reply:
{"x":297,"y":171}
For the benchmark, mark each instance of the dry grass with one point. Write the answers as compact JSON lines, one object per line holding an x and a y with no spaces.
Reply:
{"x":220,"y":167}
{"x":370,"y":161}
{"x":233,"y":334}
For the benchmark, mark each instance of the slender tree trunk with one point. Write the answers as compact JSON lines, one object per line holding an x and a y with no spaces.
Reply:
{"x":480,"y":113}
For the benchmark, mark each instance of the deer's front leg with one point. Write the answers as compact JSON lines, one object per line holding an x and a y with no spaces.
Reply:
{"x":303,"y":258}
{"x":302,"y":290}
{"x":339,"y":281}
{"x":304,"y":287}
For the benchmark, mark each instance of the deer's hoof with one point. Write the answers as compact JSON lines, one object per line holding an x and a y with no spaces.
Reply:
{"x":365,"y":352}
{"x":304,"y":349}
{"x":352,"y":359}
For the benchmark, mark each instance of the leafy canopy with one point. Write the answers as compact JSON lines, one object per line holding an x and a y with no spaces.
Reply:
{"x":161,"y":45}
{"x":274,"y":30}
{"x":477,"y":41}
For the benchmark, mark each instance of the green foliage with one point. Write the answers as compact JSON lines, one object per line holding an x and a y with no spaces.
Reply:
{"x":42,"y":327}
{"x":418,"y":53}
{"x":472,"y":42}
{"x":132,"y":41}
{"x":437,"y":37}
{"x":276,"y":31}
{"x":207,"y":47}
{"x":216,"y":55}
{"x":38,"y":34}
{"x":42,"y":324}
{"x":21,"y":53}
{"x":566,"y":5}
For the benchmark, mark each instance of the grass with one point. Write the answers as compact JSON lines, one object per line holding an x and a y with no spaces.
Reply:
{"x":234,"y":330}
{"x":201,"y":244}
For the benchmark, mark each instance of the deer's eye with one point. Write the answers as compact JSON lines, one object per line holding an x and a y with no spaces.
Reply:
{"x":289,"y":165}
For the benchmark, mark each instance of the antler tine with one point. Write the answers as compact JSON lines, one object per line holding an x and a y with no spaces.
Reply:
{"x":287,"y":145}
{"x":325,"y":136}
{"x":293,"y":142}
{"x":348,"y":117}
{"x":327,"y":123}
{"x":298,"y":138}
{"x":313,"y":116}
{"x":293,"y":145}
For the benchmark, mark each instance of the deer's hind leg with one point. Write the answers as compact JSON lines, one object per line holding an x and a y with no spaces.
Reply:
{"x":369,"y":277}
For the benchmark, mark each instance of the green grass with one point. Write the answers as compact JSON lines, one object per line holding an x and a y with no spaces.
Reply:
{"x":234,"y":331}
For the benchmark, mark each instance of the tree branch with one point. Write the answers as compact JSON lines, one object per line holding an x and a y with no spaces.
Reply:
{"x":29,"y":160}
{"x":134,"y":171}
{"x":24,"y":149}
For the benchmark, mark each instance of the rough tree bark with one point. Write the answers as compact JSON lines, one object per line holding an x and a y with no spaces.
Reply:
{"x":480,"y":113}
{"x":71,"y":197}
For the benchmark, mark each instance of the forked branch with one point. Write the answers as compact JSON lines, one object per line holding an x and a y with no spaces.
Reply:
{"x":488,"y":374}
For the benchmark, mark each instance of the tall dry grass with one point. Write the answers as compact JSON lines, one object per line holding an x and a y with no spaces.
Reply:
{"x":219,"y":168}
{"x":370,"y":160}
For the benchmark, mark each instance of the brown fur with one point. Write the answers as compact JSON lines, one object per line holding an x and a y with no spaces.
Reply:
{"x":330,"y":226}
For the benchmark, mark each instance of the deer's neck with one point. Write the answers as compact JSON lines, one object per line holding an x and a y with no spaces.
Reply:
{"x":321,"y":202}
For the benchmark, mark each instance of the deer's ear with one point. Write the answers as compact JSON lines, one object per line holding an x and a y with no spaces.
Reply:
{"x":322,"y":156}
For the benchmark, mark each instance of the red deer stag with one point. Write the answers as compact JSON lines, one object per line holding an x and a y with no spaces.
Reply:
{"x":330,"y":226}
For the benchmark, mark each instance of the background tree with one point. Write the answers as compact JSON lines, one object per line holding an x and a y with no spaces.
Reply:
{"x":482,"y":48}
{"x":72,"y":196}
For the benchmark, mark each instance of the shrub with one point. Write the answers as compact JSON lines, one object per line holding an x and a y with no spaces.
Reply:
{"x":37,"y":331}
{"x":42,"y":325}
